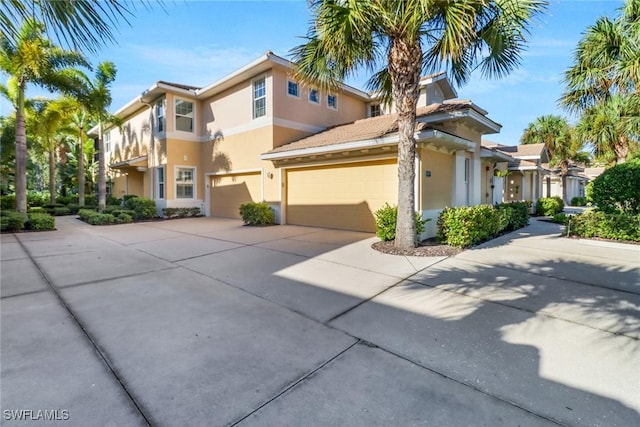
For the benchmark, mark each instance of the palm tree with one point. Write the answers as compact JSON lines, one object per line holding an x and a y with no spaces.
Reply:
{"x":31,"y":58}
{"x":82,"y":24}
{"x":48,"y":117}
{"x":404,"y":38}
{"x":561,"y":140}
{"x":80,"y":120}
{"x":612,"y":127}
{"x":96,"y":98}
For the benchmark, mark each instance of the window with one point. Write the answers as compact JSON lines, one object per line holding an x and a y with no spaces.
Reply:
{"x":160,"y":182}
{"x":314,"y":96}
{"x":160,"y":115}
{"x":107,"y":141}
{"x":184,"y":115}
{"x":332,"y":101}
{"x":184,"y":183}
{"x":259,"y":98}
{"x":293,"y":89}
{"x":374,"y":110}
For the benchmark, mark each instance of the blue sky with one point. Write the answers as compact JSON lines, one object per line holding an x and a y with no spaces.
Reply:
{"x":198,"y":42}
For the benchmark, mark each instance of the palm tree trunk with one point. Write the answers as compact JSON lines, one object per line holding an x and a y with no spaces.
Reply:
{"x":80,"y":169}
{"x":21,"y":154}
{"x":52,"y":174}
{"x":405,"y":60}
{"x":621,"y":149}
{"x":102,"y":172}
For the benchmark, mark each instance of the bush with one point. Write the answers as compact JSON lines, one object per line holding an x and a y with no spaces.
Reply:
{"x":85,"y":214}
{"x":57,"y":211}
{"x":579,"y":201}
{"x":65,"y":200}
{"x":111,"y":200}
{"x":469,"y":225}
{"x":12,"y":221}
{"x":549,"y":206}
{"x":180,"y":212}
{"x":37,"y":199}
{"x":387,"y":218}
{"x":101,"y":219}
{"x":144,"y":208}
{"x":257,"y":213}
{"x":594,"y":223}
{"x":73,"y":208}
{"x":111,"y":208}
{"x":514,"y":215}
{"x":40,"y":222}
{"x":123,"y":218}
{"x":560,"y":218}
{"x":91,"y":200}
{"x":8,"y":202}
{"x":616,"y":190}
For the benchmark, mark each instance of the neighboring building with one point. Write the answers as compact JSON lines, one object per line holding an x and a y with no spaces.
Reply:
{"x":319,"y":159}
{"x":575,"y":180}
{"x":528,"y":175}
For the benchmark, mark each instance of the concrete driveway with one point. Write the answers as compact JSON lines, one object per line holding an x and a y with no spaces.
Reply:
{"x":205,"y":322}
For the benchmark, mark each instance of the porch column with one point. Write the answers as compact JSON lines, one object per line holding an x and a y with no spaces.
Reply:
{"x":475,"y":176}
{"x":458,"y":197}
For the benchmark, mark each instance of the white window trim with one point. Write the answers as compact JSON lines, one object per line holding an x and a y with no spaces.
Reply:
{"x":287,"y":89}
{"x":330,"y":107}
{"x":175,"y":115}
{"x":106,"y":137}
{"x":319,"y":97}
{"x":162,"y":101}
{"x":164,"y":182}
{"x":253,"y":99}
{"x":175,"y":182}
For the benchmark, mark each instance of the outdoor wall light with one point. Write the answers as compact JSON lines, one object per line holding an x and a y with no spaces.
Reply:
{"x":269,"y":175}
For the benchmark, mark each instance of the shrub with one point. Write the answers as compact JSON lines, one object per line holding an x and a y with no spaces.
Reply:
{"x":57,"y":211}
{"x":259,"y":213}
{"x":91,"y":200}
{"x":12,"y":221}
{"x":119,"y":212}
{"x":37,"y":199}
{"x":468,"y":225}
{"x":514,"y":215}
{"x":579,"y":201}
{"x":40,"y":222}
{"x":85,"y":214}
{"x":387,"y":218}
{"x":560,"y":218}
{"x":8,"y":202}
{"x":144,"y":208}
{"x":616,"y":190}
{"x":73,"y":208}
{"x":101,"y":219}
{"x":548,"y":206}
{"x":111,"y":200}
{"x":594,"y":223}
{"x":111,"y":208}
{"x":180,"y":212}
{"x":65,"y":200}
{"x":123,"y":218}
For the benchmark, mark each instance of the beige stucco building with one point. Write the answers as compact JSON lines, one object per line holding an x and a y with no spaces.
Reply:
{"x":319,"y":159}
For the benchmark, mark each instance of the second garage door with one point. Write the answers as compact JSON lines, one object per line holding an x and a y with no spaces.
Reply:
{"x":228,"y":192}
{"x":341,"y":196}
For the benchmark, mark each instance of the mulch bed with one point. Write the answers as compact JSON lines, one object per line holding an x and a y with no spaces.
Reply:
{"x":429,"y":247}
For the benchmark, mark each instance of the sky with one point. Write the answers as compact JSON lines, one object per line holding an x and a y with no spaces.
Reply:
{"x":198,"y":42}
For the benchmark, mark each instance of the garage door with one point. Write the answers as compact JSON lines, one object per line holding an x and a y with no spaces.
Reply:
{"x":228,"y":192}
{"x":341,"y":196}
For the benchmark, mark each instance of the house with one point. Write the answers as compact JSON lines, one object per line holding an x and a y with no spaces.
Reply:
{"x":319,"y":159}
{"x":575,"y":181}
{"x":528,"y":175}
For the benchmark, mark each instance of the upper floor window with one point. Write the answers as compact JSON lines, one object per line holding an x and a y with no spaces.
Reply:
{"x":314,"y":96}
{"x":293,"y":89}
{"x":160,"y":115}
{"x":107,"y":141}
{"x":332,"y":101}
{"x":374,"y":110}
{"x":259,"y":98}
{"x":184,"y":115}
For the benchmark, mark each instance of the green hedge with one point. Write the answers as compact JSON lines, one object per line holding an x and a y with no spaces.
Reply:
{"x":144,"y":208}
{"x":549,"y":206}
{"x":594,"y":223}
{"x":12,"y":221}
{"x":259,"y":213}
{"x":40,"y":222}
{"x":8,"y":202}
{"x":469,"y":225}
{"x":617,"y":190}
{"x":579,"y":201}
{"x":101,"y":219}
{"x":387,"y":218}
{"x":514,"y":215}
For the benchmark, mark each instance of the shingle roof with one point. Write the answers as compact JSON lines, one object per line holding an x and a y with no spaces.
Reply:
{"x":369,"y":128}
{"x":179,"y":85}
{"x":522,"y":150}
{"x":522,"y":164}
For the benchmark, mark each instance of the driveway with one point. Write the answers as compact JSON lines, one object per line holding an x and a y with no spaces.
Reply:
{"x":205,"y":322}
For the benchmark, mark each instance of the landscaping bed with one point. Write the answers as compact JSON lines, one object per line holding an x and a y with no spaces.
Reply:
{"x":426,"y":248}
